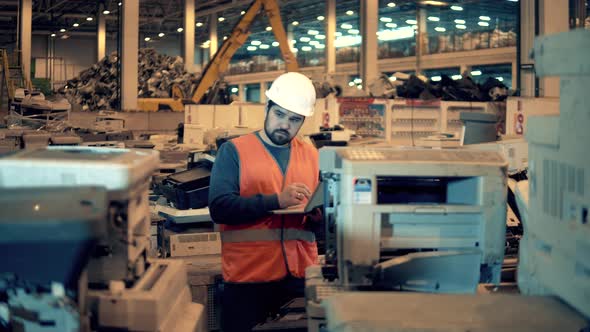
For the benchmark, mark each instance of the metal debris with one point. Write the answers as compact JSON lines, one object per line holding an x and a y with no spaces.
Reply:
{"x":97,"y":88}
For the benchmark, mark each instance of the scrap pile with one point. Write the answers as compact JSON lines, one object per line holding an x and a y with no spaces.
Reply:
{"x":464,"y":89}
{"x":97,"y":88}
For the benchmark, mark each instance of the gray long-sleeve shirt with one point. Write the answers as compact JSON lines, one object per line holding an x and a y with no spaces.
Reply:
{"x":225,"y":203}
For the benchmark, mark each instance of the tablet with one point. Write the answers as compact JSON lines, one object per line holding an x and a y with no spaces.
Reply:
{"x":316,"y":200}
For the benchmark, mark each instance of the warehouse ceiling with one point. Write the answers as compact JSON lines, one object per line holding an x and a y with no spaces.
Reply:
{"x":163,"y":19}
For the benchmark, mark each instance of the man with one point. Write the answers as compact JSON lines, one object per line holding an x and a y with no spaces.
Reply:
{"x":264,"y":255}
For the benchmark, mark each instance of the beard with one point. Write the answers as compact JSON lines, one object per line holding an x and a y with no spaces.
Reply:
{"x":278,"y":136}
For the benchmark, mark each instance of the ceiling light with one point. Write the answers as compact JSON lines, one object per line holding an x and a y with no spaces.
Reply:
{"x":349,"y":12}
{"x":62,"y":30}
{"x":312,"y":32}
{"x":346,"y":26}
{"x":433,"y":18}
{"x":306,"y":48}
{"x":295,"y":23}
{"x":304,"y":39}
{"x":347,"y":40}
{"x":459,"y":21}
{"x":106,"y":12}
{"x":391,"y":4}
{"x":147,"y":39}
{"x":161,"y":34}
{"x":242,"y":12}
{"x":461,"y":26}
{"x":75,"y":25}
{"x":221,"y":18}
{"x":314,"y":42}
{"x":179,"y":29}
{"x":440,"y":29}
{"x":199,"y":24}
{"x":234,"y":90}
{"x":435,"y":78}
{"x":456,"y":77}
{"x":275,"y":43}
{"x":205,"y":45}
{"x":457,"y":8}
{"x":224,"y":37}
{"x":338,"y":34}
{"x":500,"y":78}
{"x":353,"y":31}
{"x":320,"y":37}
{"x":351,"y":83}
{"x":411,"y":22}
{"x":120,"y":3}
{"x":294,"y":49}
{"x":391,"y":25}
{"x":484,"y":18}
{"x":256,"y":42}
{"x":320,"y":18}
{"x":434,"y":3}
{"x":513,"y":0}
{"x":264,"y":46}
{"x":268,"y":28}
{"x":320,"y":46}
{"x":358,"y":80}
{"x":385,"y":19}
{"x":53,"y":35}
{"x":476,"y":72}
{"x":251,"y":48}
{"x":483,"y":24}
{"x":89,"y":18}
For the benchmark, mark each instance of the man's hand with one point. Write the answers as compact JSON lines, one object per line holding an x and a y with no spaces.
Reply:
{"x":293,"y":194}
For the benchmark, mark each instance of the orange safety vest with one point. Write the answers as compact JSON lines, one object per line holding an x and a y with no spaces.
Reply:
{"x":264,"y":250}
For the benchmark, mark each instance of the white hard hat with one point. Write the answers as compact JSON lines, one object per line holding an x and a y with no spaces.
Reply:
{"x":294,"y":92}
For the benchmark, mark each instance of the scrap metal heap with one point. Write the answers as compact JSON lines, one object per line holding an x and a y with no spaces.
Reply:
{"x":97,"y":88}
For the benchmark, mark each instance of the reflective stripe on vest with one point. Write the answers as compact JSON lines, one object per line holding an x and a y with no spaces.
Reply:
{"x":274,"y":234}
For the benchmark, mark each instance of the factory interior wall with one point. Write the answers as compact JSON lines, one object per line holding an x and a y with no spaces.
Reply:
{"x":77,"y":53}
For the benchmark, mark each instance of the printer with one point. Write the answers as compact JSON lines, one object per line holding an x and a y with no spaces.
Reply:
{"x":119,"y":287}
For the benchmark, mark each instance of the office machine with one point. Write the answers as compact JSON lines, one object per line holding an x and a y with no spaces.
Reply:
{"x":554,"y":251}
{"x":125,"y":289}
{"x":46,"y":238}
{"x":515,"y":150}
{"x":408,"y":220}
{"x":400,"y":219}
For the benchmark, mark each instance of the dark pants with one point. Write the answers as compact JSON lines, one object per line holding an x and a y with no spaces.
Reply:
{"x":246,"y":304}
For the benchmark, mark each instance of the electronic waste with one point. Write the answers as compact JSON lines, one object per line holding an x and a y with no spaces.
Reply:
{"x":125,"y":290}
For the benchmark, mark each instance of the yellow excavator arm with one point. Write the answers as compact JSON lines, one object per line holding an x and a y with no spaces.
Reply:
{"x":239,"y":35}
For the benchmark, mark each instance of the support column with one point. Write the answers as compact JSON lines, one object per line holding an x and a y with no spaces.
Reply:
{"x":241,"y":92}
{"x":528,"y":30}
{"x":330,"y":38}
{"x":369,"y":18}
{"x":129,"y":53}
{"x":553,"y":18}
{"x":26,"y":27}
{"x":189,"y":35}
{"x":262,"y":90}
{"x":421,"y":38}
{"x":465,"y":68}
{"x":101,"y":34}
{"x":212,"y":35}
